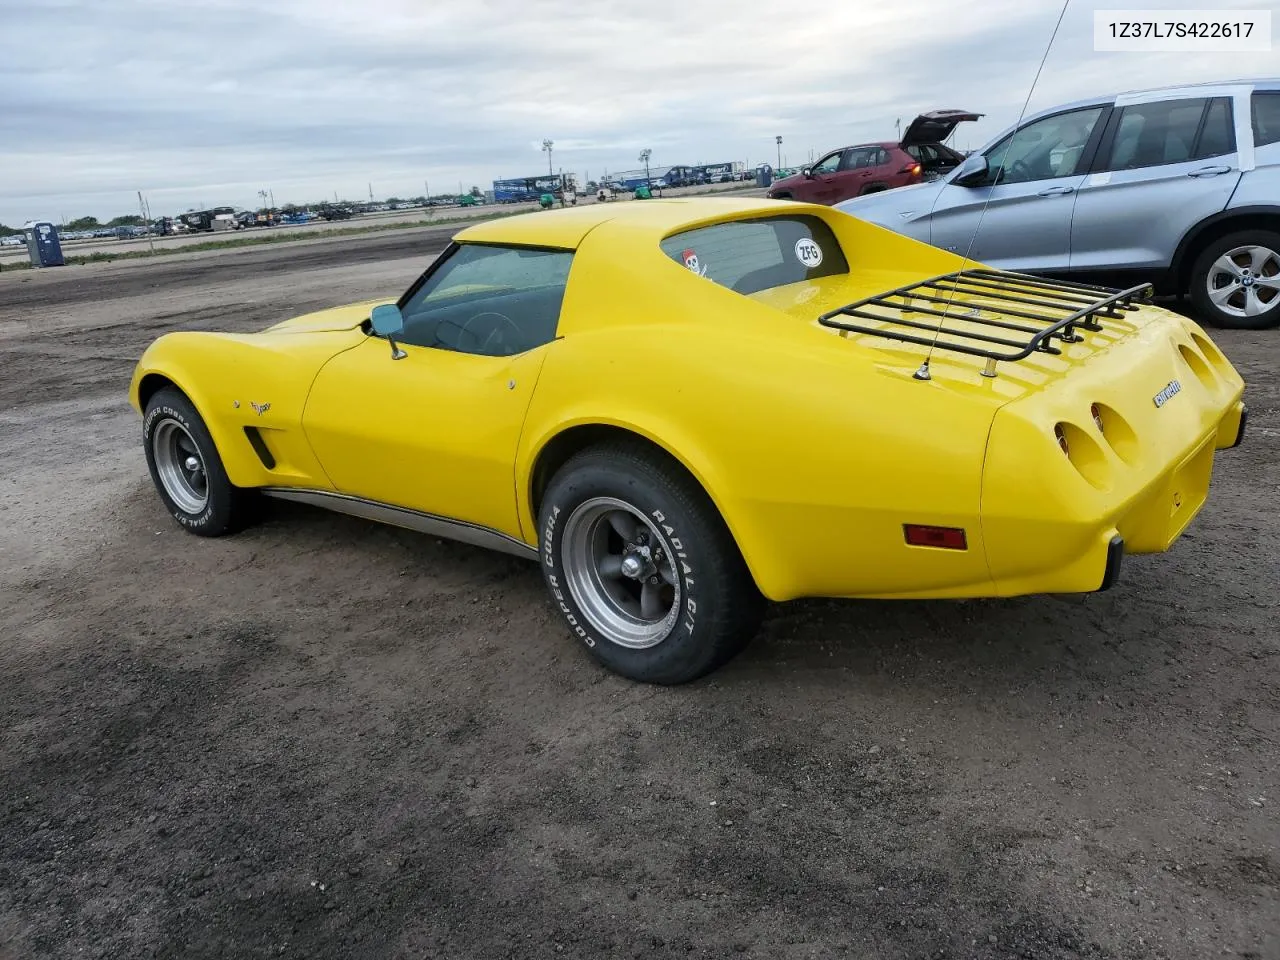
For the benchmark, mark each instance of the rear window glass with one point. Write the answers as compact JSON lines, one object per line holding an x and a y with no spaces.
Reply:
{"x":748,"y":256}
{"x":1266,"y":118}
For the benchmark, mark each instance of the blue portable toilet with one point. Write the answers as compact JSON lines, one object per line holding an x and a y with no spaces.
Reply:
{"x":764,"y":175}
{"x":42,"y":244}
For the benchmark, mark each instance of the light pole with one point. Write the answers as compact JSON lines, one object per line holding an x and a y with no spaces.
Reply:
{"x":547,"y":145}
{"x":778,"y":141}
{"x":644,"y":158}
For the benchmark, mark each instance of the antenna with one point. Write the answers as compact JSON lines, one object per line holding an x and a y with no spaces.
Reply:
{"x":923,"y":372}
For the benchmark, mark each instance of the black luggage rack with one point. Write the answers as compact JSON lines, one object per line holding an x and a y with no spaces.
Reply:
{"x":1030,"y":312}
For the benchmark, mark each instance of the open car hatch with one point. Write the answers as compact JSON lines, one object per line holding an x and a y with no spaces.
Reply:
{"x":935,"y":126}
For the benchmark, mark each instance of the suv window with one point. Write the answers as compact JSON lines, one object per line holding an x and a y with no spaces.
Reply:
{"x":1152,"y":134}
{"x":828,"y":164}
{"x":1266,"y":117}
{"x":1046,"y":148}
{"x":748,"y":256}
{"x":859,"y":158}
{"x":489,"y":300}
{"x":1218,"y":132}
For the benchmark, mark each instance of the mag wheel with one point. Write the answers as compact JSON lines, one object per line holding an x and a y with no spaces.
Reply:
{"x":186,"y":468}
{"x":619,"y":572}
{"x":1235,"y":283}
{"x":181,"y":469}
{"x":642,"y":567}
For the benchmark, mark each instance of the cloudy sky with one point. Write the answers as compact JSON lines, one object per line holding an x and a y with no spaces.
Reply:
{"x":204,"y":102}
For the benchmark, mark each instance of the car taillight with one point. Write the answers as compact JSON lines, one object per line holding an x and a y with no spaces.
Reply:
{"x":911,"y":168}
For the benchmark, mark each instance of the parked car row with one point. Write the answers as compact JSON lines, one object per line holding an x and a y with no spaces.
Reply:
{"x":1178,"y":187}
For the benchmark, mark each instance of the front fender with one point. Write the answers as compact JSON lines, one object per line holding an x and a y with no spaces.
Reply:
{"x":254,"y":381}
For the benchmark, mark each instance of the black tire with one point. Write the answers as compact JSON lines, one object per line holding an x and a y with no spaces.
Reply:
{"x":1199,"y":282}
{"x":716,"y":604}
{"x":226,"y":507}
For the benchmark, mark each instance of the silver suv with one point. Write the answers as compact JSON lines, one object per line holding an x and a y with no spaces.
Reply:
{"x":1179,"y":186}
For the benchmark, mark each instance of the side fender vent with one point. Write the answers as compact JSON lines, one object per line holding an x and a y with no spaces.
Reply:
{"x":260,"y":447}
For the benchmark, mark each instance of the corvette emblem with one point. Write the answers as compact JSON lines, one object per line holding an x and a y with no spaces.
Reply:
{"x":1164,"y":396}
{"x":261,"y":408}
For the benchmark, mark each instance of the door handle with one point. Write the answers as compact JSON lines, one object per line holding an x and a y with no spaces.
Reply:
{"x":1209,"y":171}
{"x":1056,"y":192}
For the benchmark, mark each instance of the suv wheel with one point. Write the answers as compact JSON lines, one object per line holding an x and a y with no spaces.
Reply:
{"x":1235,"y":282}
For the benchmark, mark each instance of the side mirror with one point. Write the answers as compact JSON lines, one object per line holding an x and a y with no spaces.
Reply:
{"x":388,"y":322}
{"x":972,"y":172}
{"x":807,"y":172}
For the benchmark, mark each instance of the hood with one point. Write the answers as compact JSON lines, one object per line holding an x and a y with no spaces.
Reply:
{"x":895,"y":208}
{"x":333,"y":319}
{"x":935,"y":126}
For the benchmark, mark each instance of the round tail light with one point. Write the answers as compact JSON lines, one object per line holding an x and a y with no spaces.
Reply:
{"x":1062,"y":439}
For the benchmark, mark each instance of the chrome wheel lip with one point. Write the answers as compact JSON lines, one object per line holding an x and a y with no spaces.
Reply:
{"x":1234,"y":289}
{"x":172,"y":449}
{"x":599,"y":592}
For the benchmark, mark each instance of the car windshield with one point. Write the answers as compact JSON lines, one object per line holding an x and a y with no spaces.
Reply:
{"x":748,"y":256}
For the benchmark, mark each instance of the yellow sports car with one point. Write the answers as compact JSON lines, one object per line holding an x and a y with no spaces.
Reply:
{"x":681,"y":408}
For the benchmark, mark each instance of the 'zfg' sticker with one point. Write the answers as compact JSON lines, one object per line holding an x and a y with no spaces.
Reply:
{"x":808,"y":253}
{"x":691,"y":261}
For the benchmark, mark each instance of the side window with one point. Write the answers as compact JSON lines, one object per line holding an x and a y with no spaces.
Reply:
{"x":828,"y":164}
{"x":859,"y":158}
{"x":1218,"y":133}
{"x":489,"y":300}
{"x":1266,"y":117}
{"x":1152,"y":134}
{"x":748,"y":256}
{"x":1044,"y":149}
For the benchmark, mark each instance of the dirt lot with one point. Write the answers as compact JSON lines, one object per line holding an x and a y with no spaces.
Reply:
{"x":325,"y":738}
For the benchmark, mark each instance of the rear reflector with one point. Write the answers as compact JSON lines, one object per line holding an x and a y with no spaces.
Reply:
{"x":948,"y":538}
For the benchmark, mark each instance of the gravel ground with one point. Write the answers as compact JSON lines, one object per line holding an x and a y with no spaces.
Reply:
{"x":327,"y":738}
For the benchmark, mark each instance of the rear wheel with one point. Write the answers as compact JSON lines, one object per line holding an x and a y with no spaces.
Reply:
{"x":642,"y":567}
{"x":187,"y":470}
{"x":1235,"y":282}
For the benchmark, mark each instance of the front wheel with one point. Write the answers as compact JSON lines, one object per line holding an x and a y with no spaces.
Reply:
{"x":187,"y":470}
{"x":642,"y":567}
{"x":1235,"y":282}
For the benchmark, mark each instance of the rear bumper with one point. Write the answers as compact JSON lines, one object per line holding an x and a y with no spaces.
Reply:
{"x":1077,"y":543}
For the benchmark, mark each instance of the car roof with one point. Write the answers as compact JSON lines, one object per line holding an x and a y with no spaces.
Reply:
{"x":1174,"y":90}
{"x":1260,"y":83}
{"x":565,"y":228}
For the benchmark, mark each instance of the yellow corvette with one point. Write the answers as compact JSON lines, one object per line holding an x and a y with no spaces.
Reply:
{"x":683,"y":407}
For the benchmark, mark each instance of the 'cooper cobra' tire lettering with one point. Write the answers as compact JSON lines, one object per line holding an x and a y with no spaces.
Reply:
{"x":694,"y":630}
{"x":225,"y":507}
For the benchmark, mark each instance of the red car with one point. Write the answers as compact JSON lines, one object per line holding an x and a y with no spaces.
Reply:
{"x":870,"y":167}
